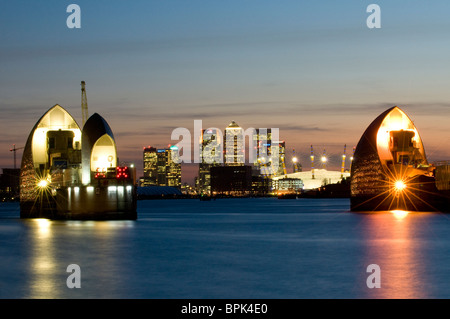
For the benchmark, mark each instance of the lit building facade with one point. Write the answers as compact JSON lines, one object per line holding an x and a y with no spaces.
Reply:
{"x":282,"y":159}
{"x":262,"y":141}
{"x":287,"y":184}
{"x":268,"y":151}
{"x":173,"y":168}
{"x":234,"y":145}
{"x":162,"y":167}
{"x":150,"y":166}
{"x":212,"y":155}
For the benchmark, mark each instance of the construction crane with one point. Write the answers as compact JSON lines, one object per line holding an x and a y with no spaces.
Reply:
{"x":343,"y":161}
{"x":14,"y":149}
{"x":84,"y":104}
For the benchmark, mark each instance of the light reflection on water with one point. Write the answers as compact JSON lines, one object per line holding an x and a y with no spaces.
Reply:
{"x":42,"y":266}
{"x":46,"y":272}
{"x":392,"y":243}
{"x":255,"y":248}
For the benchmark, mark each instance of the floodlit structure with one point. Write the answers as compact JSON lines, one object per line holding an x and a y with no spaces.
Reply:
{"x":390,"y":170}
{"x":67,"y":173}
{"x":99,"y":153}
{"x":316,"y":179}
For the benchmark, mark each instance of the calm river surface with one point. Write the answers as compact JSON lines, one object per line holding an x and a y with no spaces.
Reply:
{"x":228,"y":248}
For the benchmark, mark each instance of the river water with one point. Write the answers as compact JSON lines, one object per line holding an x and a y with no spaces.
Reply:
{"x":229,"y":248}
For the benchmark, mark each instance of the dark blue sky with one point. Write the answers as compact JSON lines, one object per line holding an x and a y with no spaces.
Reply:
{"x":310,"y":68}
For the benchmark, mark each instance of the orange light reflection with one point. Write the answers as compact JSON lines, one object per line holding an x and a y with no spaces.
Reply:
{"x":391,"y":245}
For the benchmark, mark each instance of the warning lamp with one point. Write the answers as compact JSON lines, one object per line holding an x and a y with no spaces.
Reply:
{"x":99,"y":174}
{"x":122,"y":172}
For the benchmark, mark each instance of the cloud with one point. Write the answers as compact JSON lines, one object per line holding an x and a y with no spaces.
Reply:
{"x":217,"y":41}
{"x":301,"y":128}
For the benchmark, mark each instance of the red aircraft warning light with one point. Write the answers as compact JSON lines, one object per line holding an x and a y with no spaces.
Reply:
{"x":122,"y":172}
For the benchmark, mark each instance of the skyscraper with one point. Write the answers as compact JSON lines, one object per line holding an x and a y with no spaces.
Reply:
{"x":270,"y":154}
{"x":150,"y":172}
{"x":234,"y":143}
{"x":211,"y":148}
{"x":262,"y":140}
{"x":161,"y":167}
{"x":173,"y":167}
{"x":282,"y":158}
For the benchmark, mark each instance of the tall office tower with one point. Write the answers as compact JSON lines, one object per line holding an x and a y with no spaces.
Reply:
{"x":150,"y":171}
{"x":161,"y":167}
{"x":234,"y":143}
{"x":173,"y":167}
{"x":262,"y":140}
{"x":281,"y":159}
{"x":212,"y":155}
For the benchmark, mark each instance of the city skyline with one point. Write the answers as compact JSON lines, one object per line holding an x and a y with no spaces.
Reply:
{"x":315,"y":71}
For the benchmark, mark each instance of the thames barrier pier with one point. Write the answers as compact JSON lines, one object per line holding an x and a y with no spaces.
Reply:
{"x":69,"y":173}
{"x":390,"y":170}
